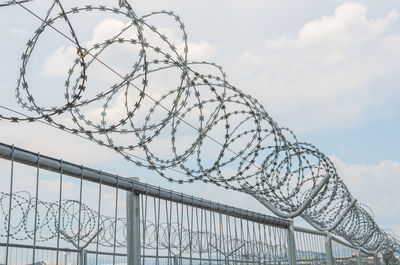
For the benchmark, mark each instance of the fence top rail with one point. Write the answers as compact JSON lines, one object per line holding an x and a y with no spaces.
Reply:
{"x":78,"y":171}
{"x":309,"y":231}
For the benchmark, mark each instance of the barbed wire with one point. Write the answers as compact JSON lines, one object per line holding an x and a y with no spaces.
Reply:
{"x":76,"y":222}
{"x":204,"y":126}
{"x":12,"y":2}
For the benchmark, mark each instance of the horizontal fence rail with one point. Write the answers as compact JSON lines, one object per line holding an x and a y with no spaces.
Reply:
{"x":93,"y":175}
{"x":56,"y":212}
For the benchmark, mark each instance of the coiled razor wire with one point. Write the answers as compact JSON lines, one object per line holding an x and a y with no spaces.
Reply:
{"x":170,"y":236}
{"x":233,"y":142}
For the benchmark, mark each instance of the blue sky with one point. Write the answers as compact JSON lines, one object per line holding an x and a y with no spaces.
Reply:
{"x":326,"y":69}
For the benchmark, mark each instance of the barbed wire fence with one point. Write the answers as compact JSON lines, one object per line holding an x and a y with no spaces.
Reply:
{"x":48,"y":227}
{"x":171,"y":228}
{"x":251,"y":153}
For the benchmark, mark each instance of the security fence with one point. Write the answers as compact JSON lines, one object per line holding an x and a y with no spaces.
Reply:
{"x":56,"y":212}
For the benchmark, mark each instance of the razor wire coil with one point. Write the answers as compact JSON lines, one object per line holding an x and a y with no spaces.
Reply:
{"x":249,"y":151}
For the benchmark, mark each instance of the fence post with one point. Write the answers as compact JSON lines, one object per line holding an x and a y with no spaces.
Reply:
{"x":328,"y":249}
{"x":82,"y":256}
{"x":291,"y":244}
{"x":133,"y":226}
{"x":376,"y":262}
{"x":359,"y":257}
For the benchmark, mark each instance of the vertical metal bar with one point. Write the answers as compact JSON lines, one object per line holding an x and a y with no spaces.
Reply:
{"x":199,"y":234}
{"x":181,"y":232}
{"x":270,"y":249}
{"x":36,"y":204}
{"x":359,"y":257}
{"x":133,"y":226}
{"x":79,"y":219}
{"x":291,"y":244}
{"x":229,"y":241}
{"x":275,"y":246}
{"x":223,"y":237}
{"x":144,"y":214}
{"x":115,"y":220}
{"x":282,"y":239}
{"x":10,"y":203}
{"x":335,"y":251}
{"x":328,"y":249}
{"x":156,"y":229}
{"x":83,"y":256}
{"x":307,"y":238}
{"x":98,"y":223}
{"x":243,"y":249}
{"x":213,"y":237}
{"x":260,"y":244}
{"x":237,"y":240}
{"x":168,"y":217}
{"x":220,"y":226}
{"x":80,"y":257}
{"x":191,"y":234}
{"x":157,"y":224}
{"x":59,"y":211}
{"x":376,"y":262}
{"x":253,"y":252}
{"x":208,"y":236}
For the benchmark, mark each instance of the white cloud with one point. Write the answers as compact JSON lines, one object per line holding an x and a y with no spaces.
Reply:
{"x":377,"y":186}
{"x":57,"y":64}
{"x":331,"y":65}
{"x":106,"y":29}
{"x":53,"y":142}
{"x":201,"y":51}
{"x":391,"y":44}
{"x":19,"y":32}
{"x":349,"y":25}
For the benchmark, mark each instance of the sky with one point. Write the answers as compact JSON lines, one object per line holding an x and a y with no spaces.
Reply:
{"x":326,"y":69}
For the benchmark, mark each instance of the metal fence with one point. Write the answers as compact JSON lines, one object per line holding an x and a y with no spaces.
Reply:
{"x":315,"y":247}
{"x":55,"y":212}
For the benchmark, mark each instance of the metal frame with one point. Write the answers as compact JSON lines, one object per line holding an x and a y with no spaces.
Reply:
{"x":45,"y":162}
{"x":135,"y":188}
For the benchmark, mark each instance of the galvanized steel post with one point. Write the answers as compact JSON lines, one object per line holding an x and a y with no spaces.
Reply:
{"x":133,"y":226}
{"x":83,"y":256}
{"x":376,"y":261}
{"x":328,"y":249}
{"x":359,"y":257}
{"x":291,"y":244}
